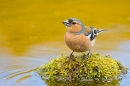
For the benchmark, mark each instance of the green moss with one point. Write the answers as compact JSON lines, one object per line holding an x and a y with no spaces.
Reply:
{"x":82,"y":68}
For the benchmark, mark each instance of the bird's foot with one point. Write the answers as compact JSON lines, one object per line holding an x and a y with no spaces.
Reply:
{"x":71,"y":55}
{"x":88,"y":55}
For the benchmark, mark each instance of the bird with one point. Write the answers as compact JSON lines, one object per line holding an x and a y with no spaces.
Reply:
{"x":80,"y":38}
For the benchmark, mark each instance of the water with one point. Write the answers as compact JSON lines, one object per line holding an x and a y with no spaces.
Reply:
{"x":19,"y":70}
{"x":31,"y":33}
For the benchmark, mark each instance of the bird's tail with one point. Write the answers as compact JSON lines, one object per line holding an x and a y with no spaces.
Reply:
{"x":99,"y":31}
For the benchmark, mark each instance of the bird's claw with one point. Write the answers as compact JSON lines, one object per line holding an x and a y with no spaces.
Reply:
{"x":88,"y":55}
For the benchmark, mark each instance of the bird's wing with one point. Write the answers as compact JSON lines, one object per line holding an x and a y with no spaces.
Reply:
{"x":88,"y":29}
{"x":91,"y":32}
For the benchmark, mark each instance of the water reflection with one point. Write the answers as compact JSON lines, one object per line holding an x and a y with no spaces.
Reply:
{"x":57,"y":83}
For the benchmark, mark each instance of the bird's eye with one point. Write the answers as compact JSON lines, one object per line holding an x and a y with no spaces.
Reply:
{"x":73,"y":22}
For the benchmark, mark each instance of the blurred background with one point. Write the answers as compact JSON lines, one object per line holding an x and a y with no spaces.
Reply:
{"x":31,"y":32}
{"x":24,"y":23}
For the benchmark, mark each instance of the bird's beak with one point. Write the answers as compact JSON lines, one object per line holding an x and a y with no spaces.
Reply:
{"x":66,"y":23}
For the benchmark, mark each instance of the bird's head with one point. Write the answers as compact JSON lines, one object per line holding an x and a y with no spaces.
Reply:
{"x":74,"y":26}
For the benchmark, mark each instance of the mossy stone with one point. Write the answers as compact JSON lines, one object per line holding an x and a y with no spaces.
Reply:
{"x":82,"y":68}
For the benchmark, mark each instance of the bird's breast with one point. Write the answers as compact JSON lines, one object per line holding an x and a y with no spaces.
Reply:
{"x":78,"y":43}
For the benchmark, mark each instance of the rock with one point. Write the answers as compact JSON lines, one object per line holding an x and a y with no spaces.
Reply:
{"x":82,"y":68}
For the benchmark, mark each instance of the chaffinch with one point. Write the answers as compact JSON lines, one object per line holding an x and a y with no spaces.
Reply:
{"x":79,"y":38}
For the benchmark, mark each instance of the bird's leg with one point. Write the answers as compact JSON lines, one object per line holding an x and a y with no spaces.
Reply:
{"x":89,"y":54}
{"x":71,"y":54}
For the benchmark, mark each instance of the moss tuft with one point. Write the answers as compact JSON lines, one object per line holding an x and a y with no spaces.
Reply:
{"x":82,"y":68}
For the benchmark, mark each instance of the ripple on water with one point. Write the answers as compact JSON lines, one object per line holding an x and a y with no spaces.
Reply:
{"x":20,"y":78}
{"x":19,"y":71}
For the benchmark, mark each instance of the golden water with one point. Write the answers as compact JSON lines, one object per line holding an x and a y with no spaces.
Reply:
{"x":31,"y":32}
